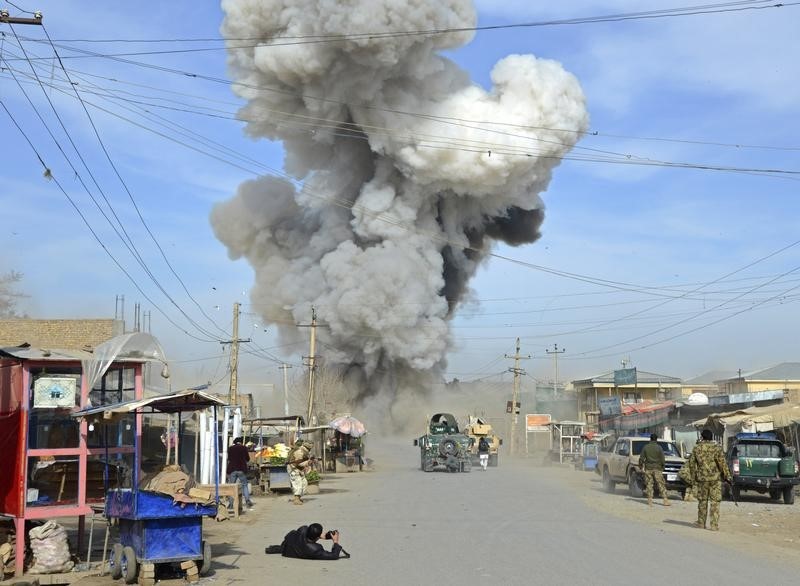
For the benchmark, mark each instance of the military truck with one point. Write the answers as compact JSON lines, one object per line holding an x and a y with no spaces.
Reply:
{"x":444,"y":446}
{"x":761,"y":462}
{"x":476,"y":429}
{"x":621,"y":464}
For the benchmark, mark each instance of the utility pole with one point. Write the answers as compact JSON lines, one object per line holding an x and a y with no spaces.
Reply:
{"x":233,"y":399}
{"x":285,"y":368}
{"x":555,"y":352}
{"x":311,"y":363}
{"x":6,"y":18}
{"x":514,"y":411}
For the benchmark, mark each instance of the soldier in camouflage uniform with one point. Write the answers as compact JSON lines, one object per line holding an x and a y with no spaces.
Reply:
{"x":651,"y":463}
{"x":297,"y":464}
{"x":709,"y":468}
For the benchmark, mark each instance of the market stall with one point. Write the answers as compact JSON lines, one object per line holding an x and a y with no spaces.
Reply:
{"x":346,"y":446}
{"x":160,"y":518}
{"x":55,"y":466}
{"x":272,"y":437}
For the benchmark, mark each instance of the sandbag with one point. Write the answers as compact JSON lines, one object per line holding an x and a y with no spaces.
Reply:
{"x":50,"y":549}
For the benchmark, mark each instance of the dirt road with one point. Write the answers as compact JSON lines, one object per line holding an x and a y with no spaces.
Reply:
{"x":515,"y":524}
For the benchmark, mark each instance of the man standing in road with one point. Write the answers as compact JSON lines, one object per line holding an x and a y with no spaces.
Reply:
{"x":483,"y":452}
{"x":651,"y":463}
{"x":298,"y":463}
{"x":238,"y":457}
{"x":710,"y":467}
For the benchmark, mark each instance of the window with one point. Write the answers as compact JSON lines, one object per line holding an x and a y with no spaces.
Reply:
{"x":53,"y":394}
{"x":631,"y":397}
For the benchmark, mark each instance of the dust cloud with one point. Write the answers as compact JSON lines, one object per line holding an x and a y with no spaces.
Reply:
{"x":400,"y":174}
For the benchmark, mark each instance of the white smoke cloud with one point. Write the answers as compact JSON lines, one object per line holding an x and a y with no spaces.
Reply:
{"x":394,"y":207}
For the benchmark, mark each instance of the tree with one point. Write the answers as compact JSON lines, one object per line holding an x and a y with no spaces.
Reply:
{"x":9,"y":296}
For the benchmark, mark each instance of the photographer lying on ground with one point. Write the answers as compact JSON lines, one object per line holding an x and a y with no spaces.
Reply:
{"x":302,"y":543}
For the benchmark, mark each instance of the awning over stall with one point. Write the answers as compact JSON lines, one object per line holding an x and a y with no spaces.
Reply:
{"x":185,"y":400}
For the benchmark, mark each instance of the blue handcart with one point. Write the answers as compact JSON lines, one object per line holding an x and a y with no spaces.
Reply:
{"x":156,"y":528}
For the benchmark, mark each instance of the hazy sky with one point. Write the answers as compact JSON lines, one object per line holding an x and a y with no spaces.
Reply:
{"x":664,"y":241}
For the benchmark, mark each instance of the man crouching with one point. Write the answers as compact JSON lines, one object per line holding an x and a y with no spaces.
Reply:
{"x":302,"y":543}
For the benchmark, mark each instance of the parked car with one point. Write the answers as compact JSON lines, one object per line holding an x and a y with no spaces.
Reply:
{"x":760,"y":462}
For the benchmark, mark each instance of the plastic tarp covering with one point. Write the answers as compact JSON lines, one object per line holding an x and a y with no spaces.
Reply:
{"x":348,"y":425}
{"x":779,"y":415}
{"x":638,"y":416}
{"x":135,"y":346}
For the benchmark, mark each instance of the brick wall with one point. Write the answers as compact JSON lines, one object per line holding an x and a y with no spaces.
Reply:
{"x":67,"y":334}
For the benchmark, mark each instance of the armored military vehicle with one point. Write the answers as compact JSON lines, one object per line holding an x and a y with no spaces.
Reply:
{"x":476,"y":429}
{"x":443,"y":446}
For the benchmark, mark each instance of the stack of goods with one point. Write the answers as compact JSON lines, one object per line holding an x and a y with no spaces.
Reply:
{"x":275,"y":455}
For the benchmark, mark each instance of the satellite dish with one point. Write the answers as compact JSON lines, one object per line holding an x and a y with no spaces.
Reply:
{"x":697,"y":399}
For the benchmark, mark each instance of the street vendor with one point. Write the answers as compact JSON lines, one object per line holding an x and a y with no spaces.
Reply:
{"x":297,"y":464}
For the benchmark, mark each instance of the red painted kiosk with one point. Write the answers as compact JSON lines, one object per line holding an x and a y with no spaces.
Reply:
{"x":54,"y":465}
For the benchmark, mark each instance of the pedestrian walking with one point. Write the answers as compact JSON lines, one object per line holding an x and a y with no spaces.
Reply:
{"x":651,"y":463}
{"x":710,"y":469}
{"x":483,"y":452}
{"x":238,"y":457}
{"x":298,"y":463}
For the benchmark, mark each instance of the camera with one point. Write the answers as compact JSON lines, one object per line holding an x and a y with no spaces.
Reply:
{"x":330,"y":534}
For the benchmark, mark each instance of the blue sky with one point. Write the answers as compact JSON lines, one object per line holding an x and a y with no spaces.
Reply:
{"x":728,"y":79}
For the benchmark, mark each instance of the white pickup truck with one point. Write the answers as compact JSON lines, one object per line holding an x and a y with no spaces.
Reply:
{"x":621,"y":464}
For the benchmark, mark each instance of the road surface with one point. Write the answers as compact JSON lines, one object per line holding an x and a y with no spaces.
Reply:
{"x":515,"y":524}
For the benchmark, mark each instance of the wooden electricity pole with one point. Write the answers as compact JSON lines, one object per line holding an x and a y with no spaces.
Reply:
{"x":6,"y":18}
{"x":311,"y":364}
{"x":233,"y":398}
{"x":514,"y":411}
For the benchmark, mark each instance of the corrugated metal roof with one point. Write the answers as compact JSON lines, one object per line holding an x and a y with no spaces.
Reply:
{"x":642,"y":376}
{"x":186,"y":400}
{"x":56,"y":355}
{"x":710,"y":377}
{"x":782,"y":371}
{"x":32,"y":353}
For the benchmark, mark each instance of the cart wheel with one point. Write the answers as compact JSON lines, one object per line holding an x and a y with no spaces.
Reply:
{"x":129,"y":565}
{"x":205,"y":567}
{"x":115,"y":563}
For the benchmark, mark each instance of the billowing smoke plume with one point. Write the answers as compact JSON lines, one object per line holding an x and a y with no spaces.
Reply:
{"x":399,"y":174}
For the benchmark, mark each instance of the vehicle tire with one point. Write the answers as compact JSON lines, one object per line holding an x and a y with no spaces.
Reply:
{"x":633,"y":485}
{"x":466,"y":466}
{"x":608,"y":484}
{"x":788,"y":495}
{"x":129,"y":565}
{"x":115,"y":563}
{"x":775,"y":494}
{"x":427,"y":465}
{"x":205,"y":566}
{"x":493,"y":459}
{"x":448,"y":446}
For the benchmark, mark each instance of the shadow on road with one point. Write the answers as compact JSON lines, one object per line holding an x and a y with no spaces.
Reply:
{"x":679,"y":522}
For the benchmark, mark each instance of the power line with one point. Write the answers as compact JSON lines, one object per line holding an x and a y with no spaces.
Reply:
{"x":719,"y":8}
{"x":126,"y":239}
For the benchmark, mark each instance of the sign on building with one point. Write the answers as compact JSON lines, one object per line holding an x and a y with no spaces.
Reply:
{"x":609,"y":406}
{"x":537,"y":422}
{"x":625,"y":376}
{"x":54,"y":391}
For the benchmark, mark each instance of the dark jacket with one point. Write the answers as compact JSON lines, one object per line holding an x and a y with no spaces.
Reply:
{"x":238,"y":457}
{"x":297,"y":545}
{"x":483,"y":446}
{"x":652,"y":457}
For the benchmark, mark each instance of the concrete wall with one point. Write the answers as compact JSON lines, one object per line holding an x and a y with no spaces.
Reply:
{"x":67,"y":334}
